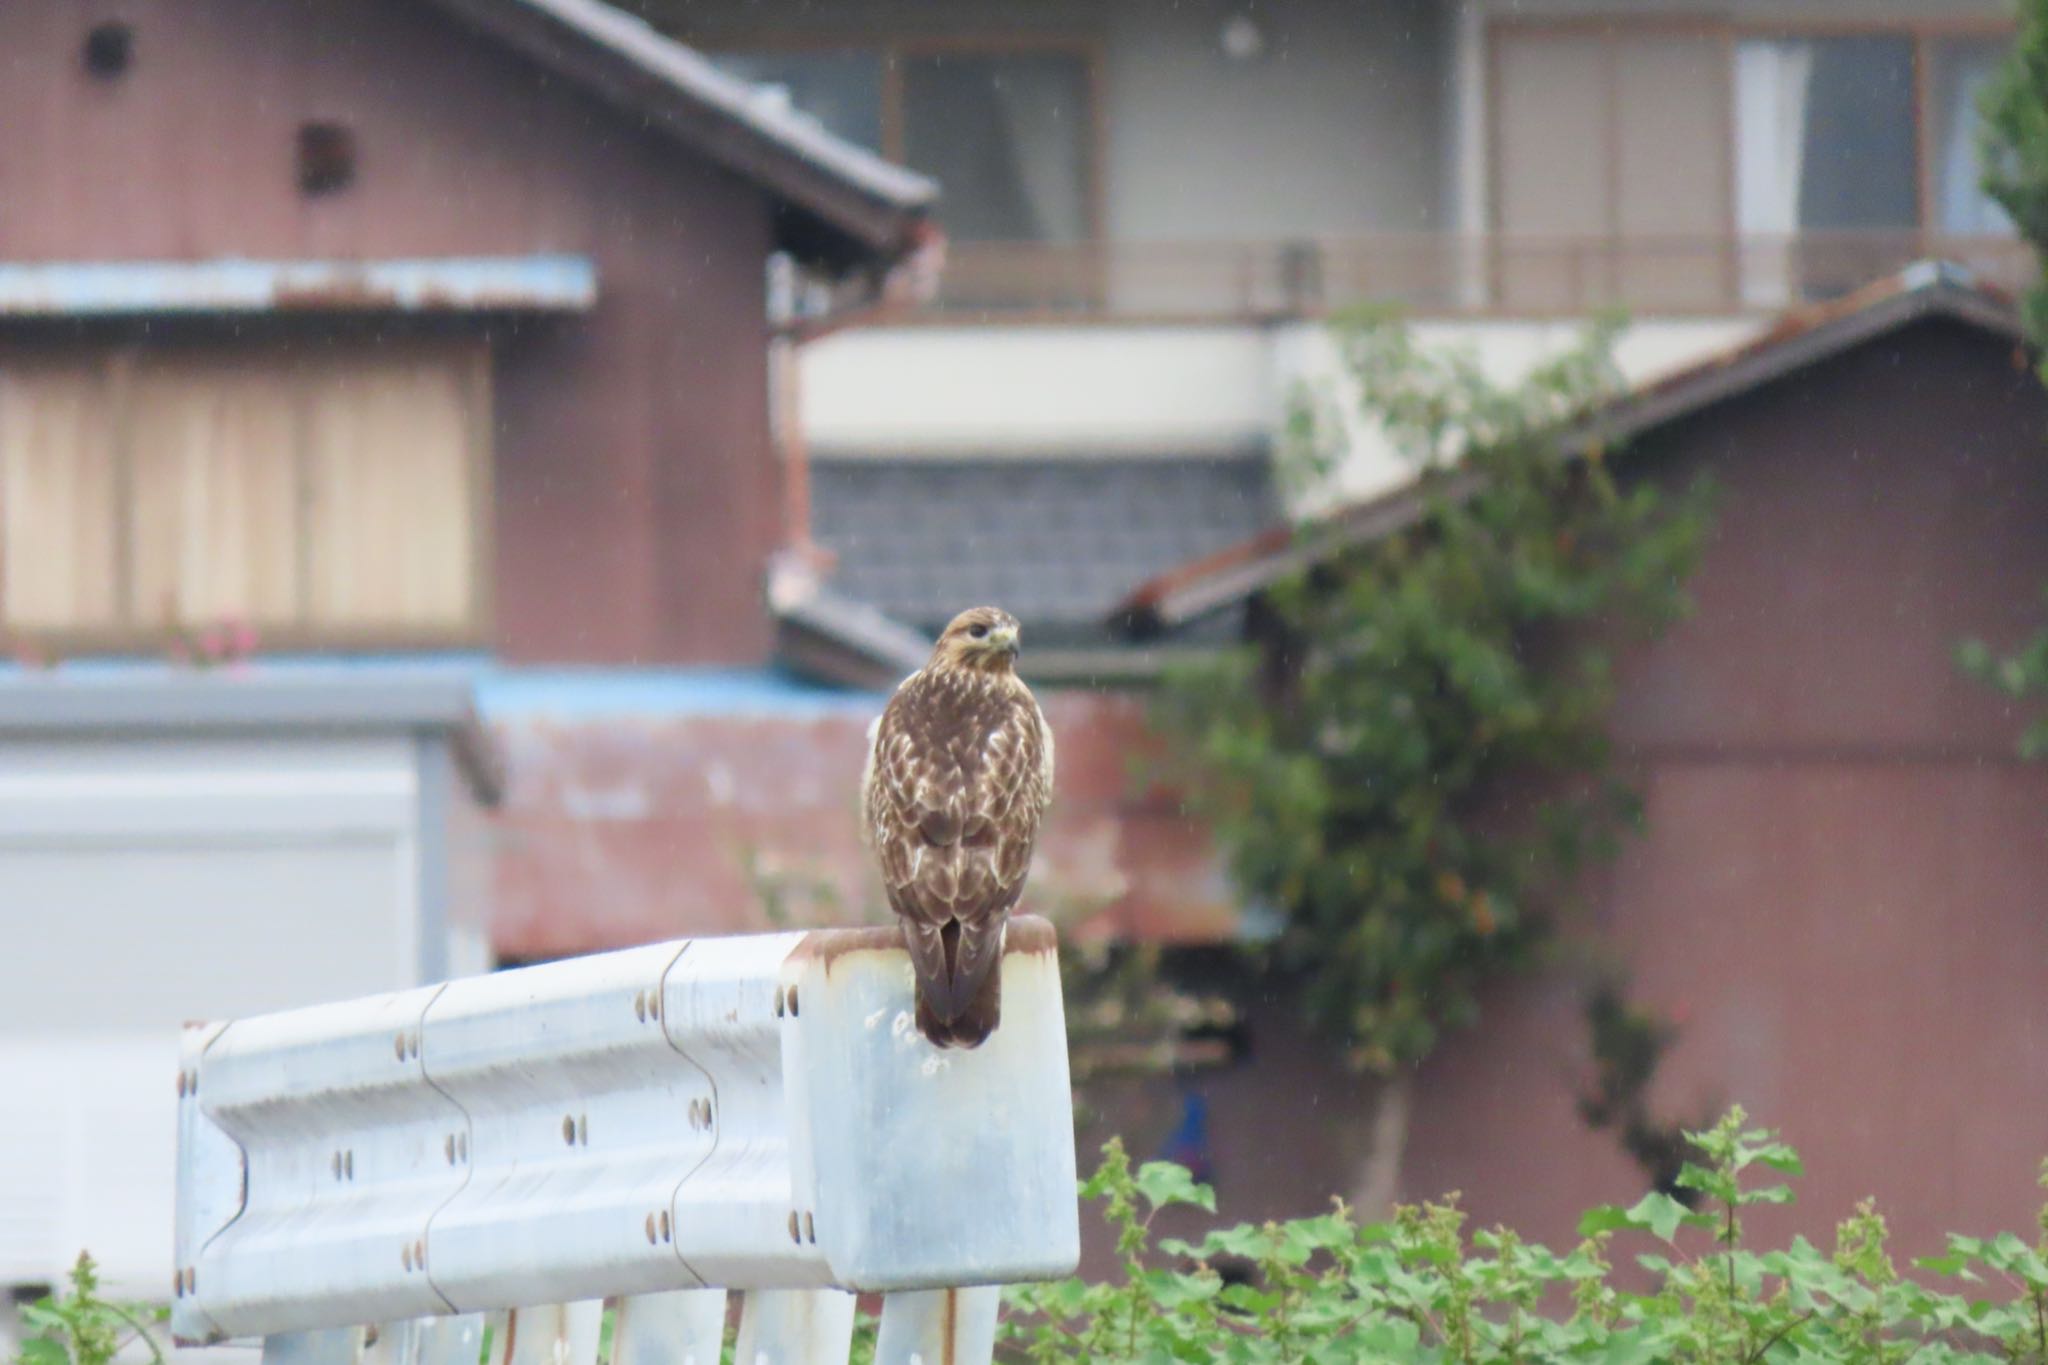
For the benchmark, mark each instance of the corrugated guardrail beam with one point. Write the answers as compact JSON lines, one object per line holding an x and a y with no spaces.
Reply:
{"x":749,"y":1113}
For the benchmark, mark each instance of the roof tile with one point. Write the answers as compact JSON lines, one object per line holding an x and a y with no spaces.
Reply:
{"x":1057,"y":541}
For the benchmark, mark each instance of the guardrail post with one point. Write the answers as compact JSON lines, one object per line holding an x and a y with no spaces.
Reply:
{"x":939,"y":1326}
{"x":395,"y":1343}
{"x":457,"y":1340}
{"x":548,"y":1334}
{"x":328,"y":1346}
{"x":678,"y":1327}
{"x":794,"y":1327}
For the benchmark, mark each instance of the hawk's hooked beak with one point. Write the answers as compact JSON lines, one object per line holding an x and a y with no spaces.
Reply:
{"x":1004,"y":638}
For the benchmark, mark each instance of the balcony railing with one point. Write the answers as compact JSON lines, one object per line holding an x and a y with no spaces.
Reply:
{"x":1439,"y":274}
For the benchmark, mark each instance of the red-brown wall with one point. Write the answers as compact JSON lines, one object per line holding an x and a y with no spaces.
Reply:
{"x":636,"y":490}
{"x":1840,"y":892}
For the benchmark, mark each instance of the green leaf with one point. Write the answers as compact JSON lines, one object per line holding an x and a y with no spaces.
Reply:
{"x":1163,"y":1183}
{"x":1662,"y":1215}
{"x":1386,"y":1339}
{"x":1605,"y":1218}
{"x":43,"y":1351}
{"x":1711,"y":1183}
{"x":1243,"y":1240}
{"x":1309,"y":1235}
{"x":1634,"y":1347}
{"x":1780,"y":1158}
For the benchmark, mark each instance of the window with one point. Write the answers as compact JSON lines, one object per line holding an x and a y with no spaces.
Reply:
{"x":1603,"y":135}
{"x":1825,"y":133}
{"x":335,"y":496}
{"x":1009,"y":132}
{"x":1959,"y":70}
{"x":1624,"y":154}
{"x":840,"y":89}
{"x":1006,"y":135}
{"x":1849,"y":149}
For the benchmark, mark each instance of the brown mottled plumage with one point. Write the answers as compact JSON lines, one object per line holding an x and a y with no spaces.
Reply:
{"x":958,"y":778}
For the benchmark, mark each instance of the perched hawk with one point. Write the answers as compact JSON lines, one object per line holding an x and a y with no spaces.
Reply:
{"x":958,"y":777}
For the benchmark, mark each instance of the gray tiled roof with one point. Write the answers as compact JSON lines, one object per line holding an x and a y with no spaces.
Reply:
{"x":1059,"y":542}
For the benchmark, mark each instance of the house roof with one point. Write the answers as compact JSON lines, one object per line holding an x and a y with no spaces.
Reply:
{"x":842,"y":204}
{"x":484,"y":284}
{"x":119,"y":700}
{"x":1056,"y":541}
{"x":1799,"y":338}
{"x":1807,"y":335}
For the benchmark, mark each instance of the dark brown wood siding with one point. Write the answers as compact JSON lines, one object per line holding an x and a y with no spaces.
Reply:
{"x":1838,"y":896}
{"x":636,"y":491}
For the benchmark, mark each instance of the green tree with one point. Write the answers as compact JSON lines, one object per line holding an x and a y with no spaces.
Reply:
{"x":2015,"y":155}
{"x":2014,"y":150}
{"x":1411,"y":761}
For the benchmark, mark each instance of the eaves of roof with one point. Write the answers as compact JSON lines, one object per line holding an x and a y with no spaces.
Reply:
{"x":845,"y":205}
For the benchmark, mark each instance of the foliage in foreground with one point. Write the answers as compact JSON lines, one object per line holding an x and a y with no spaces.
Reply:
{"x":1413,"y":760}
{"x":1421,"y":1288}
{"x":81,"y":1328}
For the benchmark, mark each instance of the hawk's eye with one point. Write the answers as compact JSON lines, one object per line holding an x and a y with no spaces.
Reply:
{"x":978,"y":631}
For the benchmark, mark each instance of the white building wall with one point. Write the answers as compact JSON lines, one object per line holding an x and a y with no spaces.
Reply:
{"x":1038,"y":390}
{"x":1169,"y":391}
{"x":147,"y":883}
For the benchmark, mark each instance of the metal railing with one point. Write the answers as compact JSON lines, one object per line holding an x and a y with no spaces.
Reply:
{"x":1440,"y":274}
{"x":386,"y":1180}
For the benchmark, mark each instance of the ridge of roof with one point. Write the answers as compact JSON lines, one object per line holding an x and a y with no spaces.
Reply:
{"x":1802,"y":335}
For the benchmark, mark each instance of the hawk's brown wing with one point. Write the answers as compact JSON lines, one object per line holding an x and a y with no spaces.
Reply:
{"x":957,"y":784}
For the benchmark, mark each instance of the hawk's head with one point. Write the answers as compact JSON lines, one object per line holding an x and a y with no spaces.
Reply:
{"x":980,"y":637}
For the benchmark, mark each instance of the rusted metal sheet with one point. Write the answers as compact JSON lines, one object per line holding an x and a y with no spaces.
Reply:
{"x":623,"y":829}
{"x":55,"y":289}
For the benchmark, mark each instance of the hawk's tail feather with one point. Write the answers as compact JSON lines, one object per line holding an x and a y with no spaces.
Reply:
{"x":959,"y":984}
{"x":969,"y":1028}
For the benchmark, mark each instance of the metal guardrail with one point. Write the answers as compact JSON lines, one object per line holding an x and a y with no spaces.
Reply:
{"x":1440,"y":274}
{"x":379,"y":1180}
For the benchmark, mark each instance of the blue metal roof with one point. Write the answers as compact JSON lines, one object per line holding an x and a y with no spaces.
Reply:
{"x":68,"y":289}
{"x":510,"y":692}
